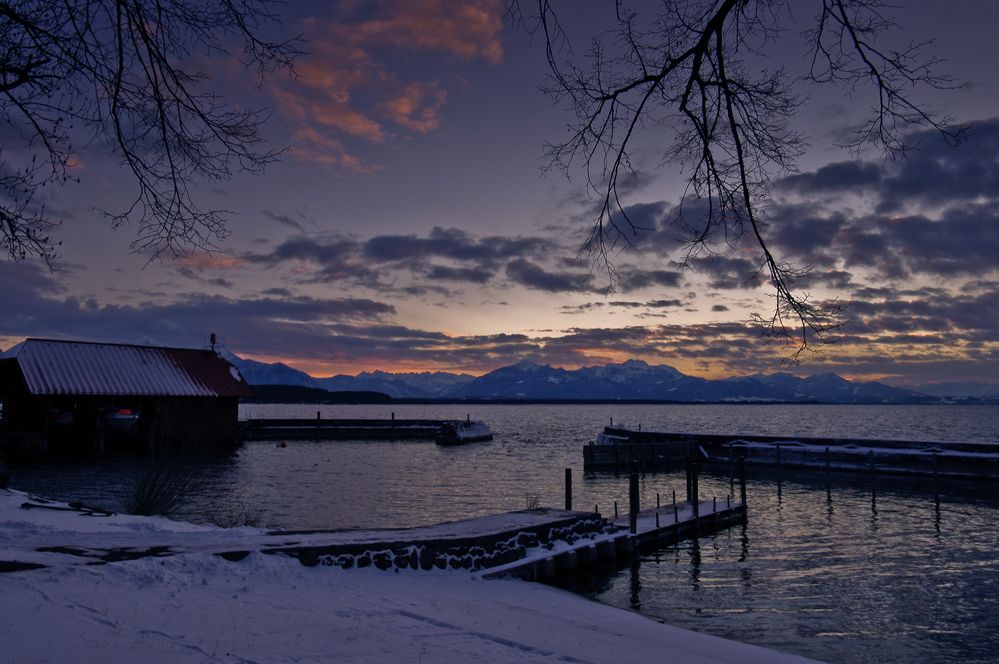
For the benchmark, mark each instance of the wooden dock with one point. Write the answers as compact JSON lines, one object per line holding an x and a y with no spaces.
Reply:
{"x":341,"y":429}
{"x":547,"y":545}
{"x":655,"y":527}
{"x":655,"y":449}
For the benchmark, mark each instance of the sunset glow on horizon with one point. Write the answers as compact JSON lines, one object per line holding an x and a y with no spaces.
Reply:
{"x":408,"y":227}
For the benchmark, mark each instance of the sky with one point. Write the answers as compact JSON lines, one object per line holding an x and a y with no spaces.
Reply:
{"x":409,"y":225}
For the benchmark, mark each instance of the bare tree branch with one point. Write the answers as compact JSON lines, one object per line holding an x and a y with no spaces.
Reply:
{"x":120,"y":75}
{"x":687,"y":70}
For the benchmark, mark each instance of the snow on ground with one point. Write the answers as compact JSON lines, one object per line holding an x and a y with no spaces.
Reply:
{"x":198,"y":607}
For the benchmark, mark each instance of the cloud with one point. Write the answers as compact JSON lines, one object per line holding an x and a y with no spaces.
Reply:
{"x":264,"y":323}
{"x":472,"y":275}
{"x":835,"y":178}
{"x":922,"y":333}
{"x":417,"y":106}
{"x":630,"y":279}
{"x":729,"y":273}
{"x":452,"y":243}
{"x":934,"y":213}
{"x":531,"y":275}
{"x":349,"y":86}
{"x":937,"y":173}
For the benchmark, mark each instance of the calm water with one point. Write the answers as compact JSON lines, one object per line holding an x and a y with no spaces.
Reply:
{"x":850,"y":571}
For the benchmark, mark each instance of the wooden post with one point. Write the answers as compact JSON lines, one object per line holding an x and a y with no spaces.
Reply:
{"x":568,"y":489}
{"x":468,"y":418}
{"x":657,"y":519}
{"x":615,"y":509}
{"x":633,"y":499}
{"x":657,"y":500}
{"x":742,"y":478}
{"x":596,"y":510}
{"x":689,"y":472}
{"x":695,"y":498}
{"x":714,"y":504}
{"x":936,"y":481}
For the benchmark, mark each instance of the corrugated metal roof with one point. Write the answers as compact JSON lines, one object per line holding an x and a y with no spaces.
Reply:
{"x":75,"y":367}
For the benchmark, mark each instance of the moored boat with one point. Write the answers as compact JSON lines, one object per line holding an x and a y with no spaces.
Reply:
{"x":459,"y":433}
{"x":120,"y":420}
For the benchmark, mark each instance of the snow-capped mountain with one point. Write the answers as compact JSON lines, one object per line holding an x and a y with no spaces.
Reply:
{"x":400,"y":386}
{"x":424,"y":385}
{"x":633,"y":379}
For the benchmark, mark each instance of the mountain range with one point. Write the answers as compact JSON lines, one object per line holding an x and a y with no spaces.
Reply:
{"x":630,"y":380}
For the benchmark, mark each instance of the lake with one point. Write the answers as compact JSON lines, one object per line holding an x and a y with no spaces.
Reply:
{"x":845,"y":568}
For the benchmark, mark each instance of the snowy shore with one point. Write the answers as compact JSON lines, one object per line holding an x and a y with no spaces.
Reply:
{"x":199,"y":607}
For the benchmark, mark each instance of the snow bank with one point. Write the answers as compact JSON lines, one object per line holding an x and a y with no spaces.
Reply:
{"x":198,"y":607}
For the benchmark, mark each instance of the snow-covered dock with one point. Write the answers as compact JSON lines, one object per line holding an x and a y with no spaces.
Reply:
{"x":180,"y":600}
{"x":501,"y":542}
{"x":621,"y":447}
{"x":661,"y":525}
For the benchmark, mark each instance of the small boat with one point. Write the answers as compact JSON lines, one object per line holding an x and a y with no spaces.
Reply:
{"x":459,"y":433}
{"x":120,"y":420}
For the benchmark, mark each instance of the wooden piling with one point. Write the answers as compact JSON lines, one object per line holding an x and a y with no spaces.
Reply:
{"x":742,"y":478}
{"x":633,"y":499}
{"x":606,"y":550}
{"x":568,"y":489}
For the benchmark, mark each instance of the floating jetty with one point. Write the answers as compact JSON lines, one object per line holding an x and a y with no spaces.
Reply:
{"x":618,"y":447}
{"x":346,"y":429}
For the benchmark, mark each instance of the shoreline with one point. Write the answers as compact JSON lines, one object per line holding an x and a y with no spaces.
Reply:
{"x":200,"y":607}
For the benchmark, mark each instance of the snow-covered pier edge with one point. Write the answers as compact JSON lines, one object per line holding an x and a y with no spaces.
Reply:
{"x":176,"y":592}
{"x":619,"y":446}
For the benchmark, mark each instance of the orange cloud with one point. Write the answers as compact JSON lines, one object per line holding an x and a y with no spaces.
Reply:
{"x":417,"y":107}
{"x":321,"y":148}
{"x":344,"y":90}
{"x":465,"y":30}
{"x":200,"y":260}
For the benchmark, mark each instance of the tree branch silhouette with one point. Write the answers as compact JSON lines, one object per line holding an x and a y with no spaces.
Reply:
{"x":689,"y":70}
{"x":124,"y":76}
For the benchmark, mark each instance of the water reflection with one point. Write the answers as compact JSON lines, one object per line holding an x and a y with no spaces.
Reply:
{"x":636,"y":584}
{"x":862,"y":573}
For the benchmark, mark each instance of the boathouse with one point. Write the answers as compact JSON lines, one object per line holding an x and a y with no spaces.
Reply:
{"x":76,"y":395}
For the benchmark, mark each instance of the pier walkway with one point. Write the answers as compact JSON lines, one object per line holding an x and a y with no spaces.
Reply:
{"x":658,"y":526}
{"x":340,"y":429}
{"x":540,"y":544}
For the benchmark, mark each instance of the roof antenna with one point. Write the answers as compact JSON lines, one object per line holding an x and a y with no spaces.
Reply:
{"x":211,"y":339}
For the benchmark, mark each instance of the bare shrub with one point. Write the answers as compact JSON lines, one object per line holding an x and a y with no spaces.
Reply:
{"x":160,"y":490}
